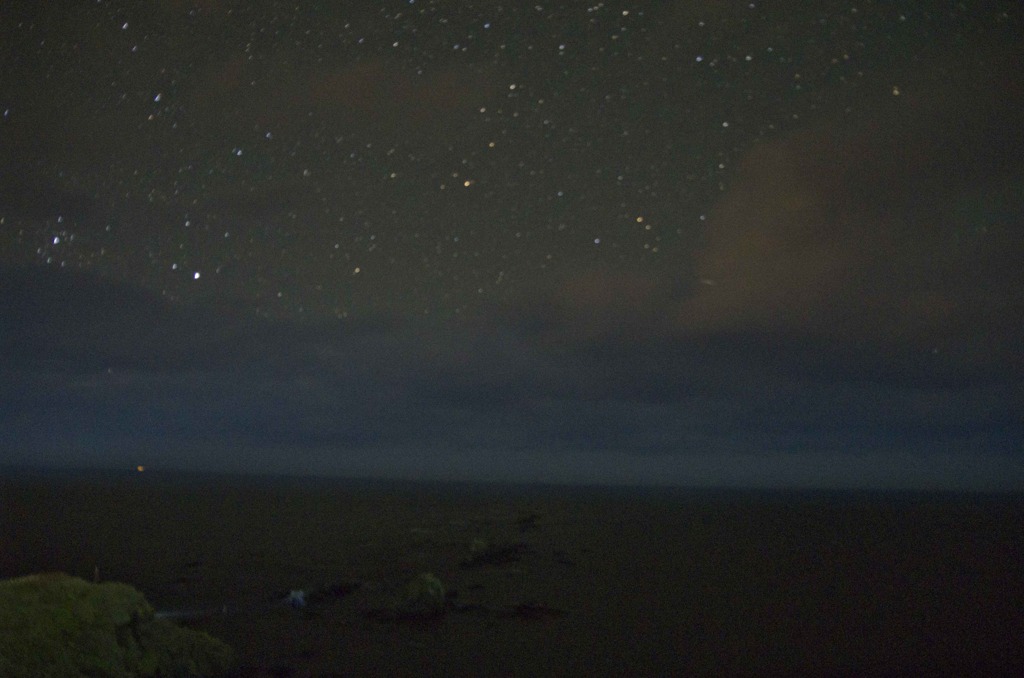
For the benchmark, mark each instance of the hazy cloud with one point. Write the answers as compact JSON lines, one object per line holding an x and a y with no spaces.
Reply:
{"x":901,"y":232}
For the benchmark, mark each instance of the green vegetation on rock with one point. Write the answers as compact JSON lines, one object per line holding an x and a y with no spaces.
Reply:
{"x":57,"y":626}
{"x":423,"y":597}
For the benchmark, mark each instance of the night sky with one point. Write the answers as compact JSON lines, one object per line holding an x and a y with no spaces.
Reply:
{"x":701,"y":243}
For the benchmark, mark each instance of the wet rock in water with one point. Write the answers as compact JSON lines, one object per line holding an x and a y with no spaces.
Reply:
{"x":296,"y":598}
{"x":562,"y":558}
{"x":496,"y":555}
{"x":332,"y":592}
{"x":531,"y":611}
{"x":304,"y":599}
{"x":528,"y":522}
{"x":58,"y":625}
{"x":423,"y":598}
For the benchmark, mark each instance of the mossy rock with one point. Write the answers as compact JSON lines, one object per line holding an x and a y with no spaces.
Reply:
{"x":424,"y":597}
{"x":57,"y":626}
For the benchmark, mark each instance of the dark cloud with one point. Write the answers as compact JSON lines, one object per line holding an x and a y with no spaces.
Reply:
{"x":26,"y":196}
{"x":855,"y":296}
{"x":375,"y":95}
{"x":900,"y":232}
{"x":78,"y":322}
{"x":881,"y":247}
{"x":84,"y":371}
{"x":859,"y":294}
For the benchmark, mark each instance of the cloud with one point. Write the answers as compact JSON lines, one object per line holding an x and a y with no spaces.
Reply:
{"x":859,"y":293}
{"x":881,"y":246}
{"x":96,"y":372}
{"x":354,"y":96}
{"x":902,"y":228}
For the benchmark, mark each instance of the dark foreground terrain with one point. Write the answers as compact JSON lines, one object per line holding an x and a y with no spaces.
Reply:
{"x":545,"y":581}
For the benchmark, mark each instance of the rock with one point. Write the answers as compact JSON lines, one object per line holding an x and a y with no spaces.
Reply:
{"x":488,"y":556}
{"x":296,"y":598}
{"x":61,"y":626}
{"x":424,"y":597}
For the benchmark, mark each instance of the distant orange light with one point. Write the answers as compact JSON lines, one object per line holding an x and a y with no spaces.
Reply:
{"x":140,"y":468}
